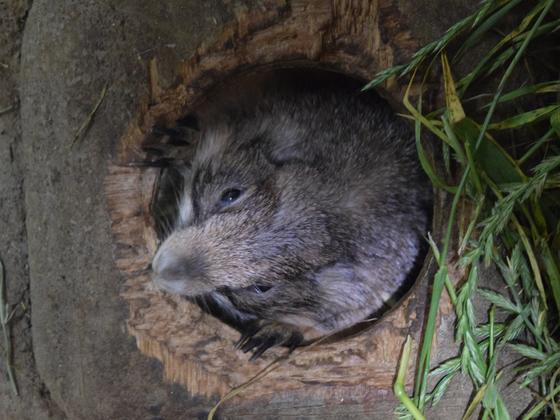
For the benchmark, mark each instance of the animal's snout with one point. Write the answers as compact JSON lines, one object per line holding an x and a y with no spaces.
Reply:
{"x":176,"y":273}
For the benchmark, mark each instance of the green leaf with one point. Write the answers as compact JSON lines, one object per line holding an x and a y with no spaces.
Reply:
{"x":487,"y":25}
{"x":528,"y":351}
{"x":545,"y":87}
{"x":483,"y":331}
{"x":537,"y":145}
{"x":447,"y":367}
{"x":525,"y":118}
{"x":488,"y":250}
{"x":499,"y":300}
{"x":427,"y":166}
{"x":454,"y":107}
{"x":491,"y":396}
{"x":514,"y":329}
{"x":417,"y":115}
{"x":489,"y":59}
{"x":548,"y":365}
{"x":501,"y":412}
{"x":492,"y":157}
{"x":422,"y":156}
{"x":441,"y":387}
{"x":555,"y":122}
{"x":474,"y":403}
{"x":477,"y":365}
{"x":433,"y":246}
{"x":553,"y":273}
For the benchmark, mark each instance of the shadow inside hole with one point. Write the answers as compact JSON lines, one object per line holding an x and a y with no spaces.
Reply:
{"x":250,"y":87}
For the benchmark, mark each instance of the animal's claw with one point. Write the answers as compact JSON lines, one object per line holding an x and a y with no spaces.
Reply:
{"x":265,"y":335}
{"x":248,"y":333}
{"x":252,"y":343}
{"x":264,"y":345}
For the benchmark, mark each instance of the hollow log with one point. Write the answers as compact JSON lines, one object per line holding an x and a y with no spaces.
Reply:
{"x":89,"y":228}
{"x":356,"y":39}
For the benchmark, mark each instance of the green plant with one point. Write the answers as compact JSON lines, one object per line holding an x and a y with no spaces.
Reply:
{"x":515,"y":196}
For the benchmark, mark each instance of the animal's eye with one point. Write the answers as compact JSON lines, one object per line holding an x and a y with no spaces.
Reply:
{"x":259,"y":289}
{"x":230,"y":196}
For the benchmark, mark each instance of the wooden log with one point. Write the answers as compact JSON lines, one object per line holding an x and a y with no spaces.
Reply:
{"x":355,"y":38}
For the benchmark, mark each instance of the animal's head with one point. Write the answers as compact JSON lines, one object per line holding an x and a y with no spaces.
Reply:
{"x":246,"y":219}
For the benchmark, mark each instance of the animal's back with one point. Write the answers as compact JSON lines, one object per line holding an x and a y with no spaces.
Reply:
{"x":354,"y":156}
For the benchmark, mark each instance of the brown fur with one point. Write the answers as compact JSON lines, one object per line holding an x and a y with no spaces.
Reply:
{"x":326,"y":229}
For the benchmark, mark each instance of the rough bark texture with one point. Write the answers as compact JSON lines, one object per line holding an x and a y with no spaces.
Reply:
{"x":34,"y":401}
{"x":83,"y":363}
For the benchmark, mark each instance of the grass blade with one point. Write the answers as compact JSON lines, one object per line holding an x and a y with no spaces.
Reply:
{"x":528,"y":351}
{"x":454,"y":107}
{"x":399,"y":386}
{"x":526,"y":118}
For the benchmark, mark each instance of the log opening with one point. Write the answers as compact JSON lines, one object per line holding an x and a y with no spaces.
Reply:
{"x":196,"y":349}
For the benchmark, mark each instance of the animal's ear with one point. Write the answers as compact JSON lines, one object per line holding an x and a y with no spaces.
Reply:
{"x":286,"y":146}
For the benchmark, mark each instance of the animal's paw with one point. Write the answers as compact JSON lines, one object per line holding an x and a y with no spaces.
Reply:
{"x":259,"y":336}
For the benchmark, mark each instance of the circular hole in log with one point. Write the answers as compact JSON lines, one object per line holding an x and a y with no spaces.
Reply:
{"x":178,"y":141}
{"x":196,"y":349}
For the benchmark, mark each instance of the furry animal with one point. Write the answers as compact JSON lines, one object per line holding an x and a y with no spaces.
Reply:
{"x":299,"y":217}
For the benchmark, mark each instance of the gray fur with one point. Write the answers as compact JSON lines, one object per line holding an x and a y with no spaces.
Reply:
{"x":331,"y":221}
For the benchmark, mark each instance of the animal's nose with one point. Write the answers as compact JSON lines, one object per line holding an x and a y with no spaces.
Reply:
{"x":170,"y":272}
{"x":169,"y":266}
{"x":182,"y":273}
